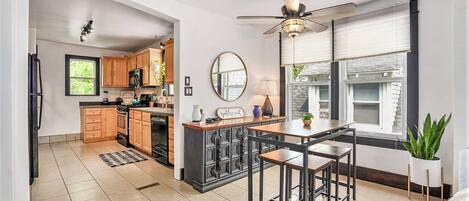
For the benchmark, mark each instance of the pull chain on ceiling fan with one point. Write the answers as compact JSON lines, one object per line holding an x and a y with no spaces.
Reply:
{"x":295,"y":20}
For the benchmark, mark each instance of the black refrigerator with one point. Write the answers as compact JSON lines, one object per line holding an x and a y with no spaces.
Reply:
{"x":34,"y":112}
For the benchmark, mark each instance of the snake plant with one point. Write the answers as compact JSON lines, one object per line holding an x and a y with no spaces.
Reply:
{"x":428,"y":140}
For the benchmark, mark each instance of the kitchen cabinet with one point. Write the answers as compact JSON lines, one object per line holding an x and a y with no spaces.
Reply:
{"x":169,"y":61}
{"x":149,"y":61}
{"x":140,"y":131}
{"x":115,"y":72}
{"x":171,"y":139}
{"x":131,"y":62}
{"x":98,"y":124}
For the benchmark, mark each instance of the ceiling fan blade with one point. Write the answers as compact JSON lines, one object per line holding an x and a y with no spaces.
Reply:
{"x":314,"y":26}
{"x":292,"y":5}
{"x":332,"y":12}
{"x":273,"y":29}
{"x":258,"y":17}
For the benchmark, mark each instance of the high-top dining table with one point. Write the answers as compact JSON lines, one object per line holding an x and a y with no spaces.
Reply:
{"x":319,"y":131}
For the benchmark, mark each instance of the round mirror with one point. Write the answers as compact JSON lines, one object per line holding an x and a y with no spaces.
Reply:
{"x":229,"y":76}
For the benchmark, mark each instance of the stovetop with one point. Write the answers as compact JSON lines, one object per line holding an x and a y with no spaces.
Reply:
{"x":125,"y":108}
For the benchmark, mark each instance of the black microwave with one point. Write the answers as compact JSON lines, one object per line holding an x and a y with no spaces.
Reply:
{"x":135,"y":78}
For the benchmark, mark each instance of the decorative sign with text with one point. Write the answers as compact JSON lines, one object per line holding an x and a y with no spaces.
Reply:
{"x":230,"y":112}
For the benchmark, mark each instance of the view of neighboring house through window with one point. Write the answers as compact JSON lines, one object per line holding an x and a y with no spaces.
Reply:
{"x":370,"y":51}
{"x":82,"y":76}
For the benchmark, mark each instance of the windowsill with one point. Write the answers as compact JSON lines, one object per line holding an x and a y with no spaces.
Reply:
{"x":374,"y":140}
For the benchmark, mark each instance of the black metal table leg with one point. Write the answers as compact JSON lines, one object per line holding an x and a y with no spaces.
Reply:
{"x":348,"y":177}
{"x":337,"y":169}
{"x":354,"y":164}
{"x":329,"y":181}
{"x":281,"y":182}
{"x":261,"y":178}
{"x":250,"y":190}
{"x":305,"y":175}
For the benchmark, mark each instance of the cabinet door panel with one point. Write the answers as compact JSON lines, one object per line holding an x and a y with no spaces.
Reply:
{"x":138,"y":134}
{"x":169,"y":61}
{"x":236,"y":165}
{"x":211,"y":173}
{"x":109,"y":120}
{"x":225,"y":168}
{"x":132,"y":63}
{"x":210,"y":156}
{"x":132,"y":131}
{"x":146,"y":137}
{"x":139,"y":60}
{"x":225,"y":136}
{"x":146,"y":67}
{"x":108,"y":62}
{"x":236,"y":150}
{"x":225,"y":151}
{"x":121,"y":74}
{"x":210,"y":138}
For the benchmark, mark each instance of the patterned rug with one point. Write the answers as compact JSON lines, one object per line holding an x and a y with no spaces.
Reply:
{"x":122,"y":157}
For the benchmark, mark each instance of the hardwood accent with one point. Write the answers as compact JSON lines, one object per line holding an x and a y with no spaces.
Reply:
{"x":296,"y":128}
{"x":131,"y":62}
{"x":280,"y":156}
{"x":109,"y":121}
{"x":140,"y":130}
{"x":227,"y":123}
{"x":315,"y":163}
{"x":115,"y":72}
{"x":171,"y":139}
{"x":98,"y":124}
{"x":146,"y":137}
{"x":169,"y":61}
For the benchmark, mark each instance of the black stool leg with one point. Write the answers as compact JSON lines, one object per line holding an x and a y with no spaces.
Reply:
{"x":329,"y":181}
{"x":281,"y":182}
{"x":288,"y":184}
{"x":313,"y":186}
{"x":300,"y":185}
{"x":348,"y":177}
{"x":261,"y":179}
{"x":337,"y":180}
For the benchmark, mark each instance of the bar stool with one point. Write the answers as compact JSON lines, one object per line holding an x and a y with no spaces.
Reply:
{"x":336,"y":153}
{"x":316,"y":164}
{"x":278,"y":157}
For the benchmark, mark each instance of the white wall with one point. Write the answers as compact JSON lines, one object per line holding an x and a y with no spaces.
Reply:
{"x":14,"y":171}
{"x":461,"y":84}
{"x":199,"y":37}
{"x":61,"y":114}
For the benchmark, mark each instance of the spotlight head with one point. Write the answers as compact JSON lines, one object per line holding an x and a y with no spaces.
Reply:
{"x":82,"y":38}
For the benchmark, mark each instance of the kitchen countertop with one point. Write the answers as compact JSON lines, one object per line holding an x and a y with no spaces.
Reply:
{"x":155,"y":110}
{"x":97,"y":104}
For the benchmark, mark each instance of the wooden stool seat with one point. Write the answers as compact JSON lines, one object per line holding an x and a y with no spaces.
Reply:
{"x":315,"y":163}
{"x":280,"y":156}
{"x":329,"y":151}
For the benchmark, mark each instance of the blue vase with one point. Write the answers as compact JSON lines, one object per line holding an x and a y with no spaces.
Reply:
{"x":256,"y":111}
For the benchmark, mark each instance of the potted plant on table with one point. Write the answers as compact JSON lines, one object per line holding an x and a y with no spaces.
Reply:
{"x":307,"y":119}
{"x":423,"y":149}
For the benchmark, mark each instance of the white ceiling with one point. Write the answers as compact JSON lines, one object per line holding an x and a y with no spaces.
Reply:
{"x":116,"y":26}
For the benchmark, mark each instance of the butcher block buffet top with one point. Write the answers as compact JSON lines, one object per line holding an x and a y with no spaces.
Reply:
{"x":229,"y":123}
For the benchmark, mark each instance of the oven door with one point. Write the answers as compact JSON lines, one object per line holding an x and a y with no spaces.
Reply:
{"x":122,"y":122}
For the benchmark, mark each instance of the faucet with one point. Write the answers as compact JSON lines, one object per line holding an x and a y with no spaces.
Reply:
{"x":165,"y":104}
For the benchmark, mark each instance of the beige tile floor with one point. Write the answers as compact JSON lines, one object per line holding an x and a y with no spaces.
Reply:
{"x":74,"y":171}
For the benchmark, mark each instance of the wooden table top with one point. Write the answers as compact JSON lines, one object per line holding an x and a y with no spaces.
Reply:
{"x":229,"y":123}
{"x":296,"y":128}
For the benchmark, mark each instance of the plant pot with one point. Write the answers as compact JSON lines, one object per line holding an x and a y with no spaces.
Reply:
{"x":418,"y":171}
{"x":307,"y":122}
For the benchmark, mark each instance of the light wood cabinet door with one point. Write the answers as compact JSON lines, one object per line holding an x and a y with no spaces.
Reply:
{"x":131,"y":62}
{"x":169,"y":61}
{"x":138,"y":134}
{"x":108,"y":63}
{"x":132,"y":131}
{"x":171,"y":139}
{"x":146,"y":67}
{"x":139,"y":59}
{"x":109,"y":122}
{"x":120,"y":74}
{"x":146,"y":137}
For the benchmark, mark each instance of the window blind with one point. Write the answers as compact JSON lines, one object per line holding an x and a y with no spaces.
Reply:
{"x":308,"y":47}
{"x":378,"y":32}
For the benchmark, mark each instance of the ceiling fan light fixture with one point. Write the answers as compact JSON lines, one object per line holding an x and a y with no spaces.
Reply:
{"x":293,"y":27}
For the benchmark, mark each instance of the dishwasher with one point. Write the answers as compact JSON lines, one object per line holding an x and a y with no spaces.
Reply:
{"x":159,"y":139}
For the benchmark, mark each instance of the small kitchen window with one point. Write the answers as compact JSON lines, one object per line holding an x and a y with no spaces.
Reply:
{"x":81,"y":75}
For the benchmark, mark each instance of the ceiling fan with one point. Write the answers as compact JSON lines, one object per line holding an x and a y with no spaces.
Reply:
{"x":296,"y":20}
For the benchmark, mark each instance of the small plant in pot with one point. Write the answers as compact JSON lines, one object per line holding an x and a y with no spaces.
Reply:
{"x":307,"y":119}
{"x":423,"y":151}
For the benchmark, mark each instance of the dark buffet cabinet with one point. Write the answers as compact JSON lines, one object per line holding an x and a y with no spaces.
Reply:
{"x":217,"y":153}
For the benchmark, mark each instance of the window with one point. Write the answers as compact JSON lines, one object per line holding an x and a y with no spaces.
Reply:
{"x":233,"y":84}
{"x":309,"y":90}
{"x":374,"y":94}
{"x":81,"y":76}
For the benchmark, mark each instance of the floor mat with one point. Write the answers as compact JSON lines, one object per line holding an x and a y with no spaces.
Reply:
{"x":122,"y":157}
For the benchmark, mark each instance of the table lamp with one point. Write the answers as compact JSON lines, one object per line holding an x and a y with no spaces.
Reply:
{"x":268,"y":88}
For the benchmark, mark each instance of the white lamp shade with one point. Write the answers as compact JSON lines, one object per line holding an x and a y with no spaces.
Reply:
{"x":268,"y":88}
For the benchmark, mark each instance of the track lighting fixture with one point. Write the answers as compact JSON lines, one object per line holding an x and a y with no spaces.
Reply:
{"x":86,"y":30}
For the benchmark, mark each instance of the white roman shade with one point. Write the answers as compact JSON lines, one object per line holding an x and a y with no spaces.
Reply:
{"x":378,"y":32}
{"x":308,"y":47}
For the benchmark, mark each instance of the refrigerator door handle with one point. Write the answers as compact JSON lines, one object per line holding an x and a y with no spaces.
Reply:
{"x":40,"y":112}
{"x":39,"y":75}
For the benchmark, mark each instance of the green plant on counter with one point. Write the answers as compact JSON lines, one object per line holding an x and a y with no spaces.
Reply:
{"x":308,"y":116}
{"x":428,"y":141}
{"x":162,"y":72}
